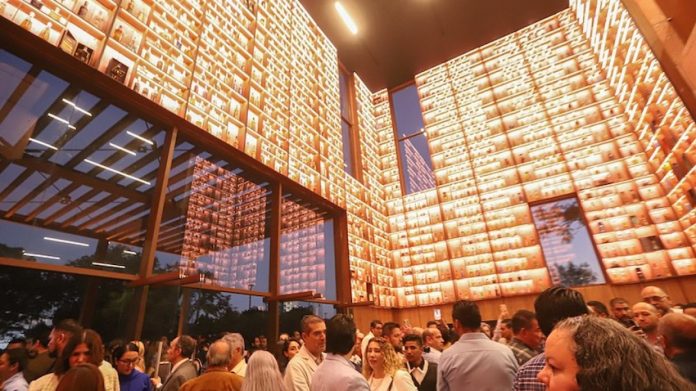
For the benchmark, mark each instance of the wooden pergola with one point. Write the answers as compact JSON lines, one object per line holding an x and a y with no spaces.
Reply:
{"x":89,"y":201}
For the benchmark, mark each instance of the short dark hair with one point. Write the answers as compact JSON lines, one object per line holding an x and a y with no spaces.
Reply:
{"x":522,"y":319}
{"x":508,"y":322}
{"x":187,"y":345}
{"x":467,"y":313}
{"x":69,"y":326}
{"x":307,"y":320}
{"x":340,"y":334}
{"x":17,"y":356}
{"x":19,"y":340}
{"x":599,"y":307}
{"x":431,"y":323}
{"x":375,"y":322}
{"x":388,"y":327}
{"x":119,"y":350}
{"x":558,"y":303}
{"x":616,"y":301}
{"x":414,"y":338}
{"x":41,"y":334}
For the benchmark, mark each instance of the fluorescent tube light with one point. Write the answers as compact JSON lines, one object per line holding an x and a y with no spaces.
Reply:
{"x":120,"y":148}
{"x":63,"y":120}
{"x":346,"y":18}
{"x":130,"y":252}
{"x":143,"y":139}
{"x":47,"y":145}
{"x":66,"y":241}
{"x":78,"y":108}
{"x":117,"y":172}
{"x":108,"y":265}
{"x":40,"y":256}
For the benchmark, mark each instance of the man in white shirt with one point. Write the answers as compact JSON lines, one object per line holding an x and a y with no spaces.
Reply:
{"x":423,"y":373}
{"x":375,"y":331}
{"x":433,"y":344}
{"x":236,"y":342}
{"x":298,"y":373}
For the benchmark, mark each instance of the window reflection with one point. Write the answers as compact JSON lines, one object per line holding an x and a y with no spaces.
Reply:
{"x":306,"y":249}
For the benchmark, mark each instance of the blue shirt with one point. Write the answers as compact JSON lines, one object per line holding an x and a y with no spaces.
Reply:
{"x":476,"y":363}
{"x":136,"y":381}
{"x":336,"y":373}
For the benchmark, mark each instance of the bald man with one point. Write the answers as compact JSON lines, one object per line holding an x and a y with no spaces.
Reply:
{"x":657,"y":297}
{"x":647,"y":317}
{"x":678,"y":333}
{"x":218,"y":375}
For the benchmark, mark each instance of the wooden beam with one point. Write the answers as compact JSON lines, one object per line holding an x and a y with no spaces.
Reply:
{"x":64,"y":269}
{"x":296,"y":296}
{"x":76,"y":176}
{"x":342,"y":258}
{"x":275,"y":222}
{"x":19,"y":91}
{"x":159,"y":198}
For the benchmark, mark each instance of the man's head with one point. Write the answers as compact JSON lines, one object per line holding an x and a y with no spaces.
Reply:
{"x":646,"y":316}
{"x":181,"y":348}
{"x":432,"y":337}
{"x":376,"y":327}
{"x":236,"y":342}
{"x":17,"y":343}
{"x":61,"y":334}
{"x":558,"y":303}
{"x":314,"y":334}
{"x":283,"y":337}
{"x":219,"y":355}
{"x":525,"y":327}
{"x":467,"y":317}
{"x":678,"y":333}
{"x":40,"y":337}
{"x":599,"y":308}
{"x":431,"y":324}
{"x":657,"y":297}
{"x":413,"y":349}
{"x":392,"y":333}
{"x":340,"y":335}
{"x":506,"y":329}
{"x":12,"y":361}
{"x":358,"y":341}
{"x":620,"y":309}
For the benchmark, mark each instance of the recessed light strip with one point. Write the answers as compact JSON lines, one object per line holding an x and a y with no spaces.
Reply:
{"x":108,"y":265}
{"x":141,"y":138}
{"x":130,"y":252}
{"x":346,"y":18}
{"x":120,"y":148}
{"x":47,"y":145}
{"x":65,"y":241}
{"x":78,"y":108}
{"x":40,"y":256}
{"x":117,"y":172}
{"x":63,"y":120}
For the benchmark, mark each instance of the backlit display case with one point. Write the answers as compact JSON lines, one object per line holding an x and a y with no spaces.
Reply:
{"x":573,"y":106}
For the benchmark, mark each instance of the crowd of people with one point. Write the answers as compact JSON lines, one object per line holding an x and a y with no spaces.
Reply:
{"x":564,"y":344}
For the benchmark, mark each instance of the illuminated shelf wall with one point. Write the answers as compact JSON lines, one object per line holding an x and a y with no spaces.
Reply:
{"x":575,"y":104}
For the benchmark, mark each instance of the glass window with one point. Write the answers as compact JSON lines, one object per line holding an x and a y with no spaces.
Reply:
{"x":78,"y":172}
{"x":565,"y":241}
{"x":307,"y":261}
{"x":414,"y":153}
{"x":348,"y":127}
{"x":216,"y":222}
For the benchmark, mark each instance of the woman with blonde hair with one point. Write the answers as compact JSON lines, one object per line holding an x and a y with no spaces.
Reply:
{"x":140,"y":364}
{"x":383,"y":369}
{"x":262,"y":373}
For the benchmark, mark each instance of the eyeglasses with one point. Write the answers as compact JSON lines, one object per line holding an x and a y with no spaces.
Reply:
{"x":128,"y":362}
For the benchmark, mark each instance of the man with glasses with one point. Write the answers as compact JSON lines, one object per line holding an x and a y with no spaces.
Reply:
{"x":657,"y":297}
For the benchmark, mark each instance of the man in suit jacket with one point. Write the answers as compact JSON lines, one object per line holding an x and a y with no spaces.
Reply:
{"x":423,"y":372}
{"x":183,"y":369}
{"x":336,"y":372}
{"x":218,"y":375}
